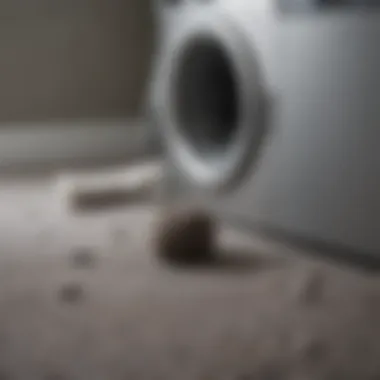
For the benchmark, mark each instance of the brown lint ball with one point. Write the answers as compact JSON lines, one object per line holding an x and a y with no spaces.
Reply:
{"x":186,"y":236}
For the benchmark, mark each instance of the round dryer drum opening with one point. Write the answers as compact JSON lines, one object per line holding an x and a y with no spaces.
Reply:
{"x":205,"y":98}
{"x":213,"y":102}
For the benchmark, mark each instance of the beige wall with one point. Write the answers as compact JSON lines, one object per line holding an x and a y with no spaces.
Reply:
{"x":73,"y":58}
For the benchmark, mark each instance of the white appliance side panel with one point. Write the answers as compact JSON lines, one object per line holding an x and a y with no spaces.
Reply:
{"x":319,"y":174}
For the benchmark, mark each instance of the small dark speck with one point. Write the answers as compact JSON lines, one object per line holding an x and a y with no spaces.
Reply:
{"x":72,"y":293}
{"x":83,"y":258}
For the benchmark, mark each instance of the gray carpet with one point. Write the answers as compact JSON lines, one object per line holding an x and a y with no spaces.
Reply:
{"x":82,"y":297}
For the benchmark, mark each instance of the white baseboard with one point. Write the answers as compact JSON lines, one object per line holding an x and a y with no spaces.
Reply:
{"x":72,"y":142}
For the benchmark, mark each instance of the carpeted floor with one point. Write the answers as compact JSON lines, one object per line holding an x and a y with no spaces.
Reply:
{"x":83,"y":298}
